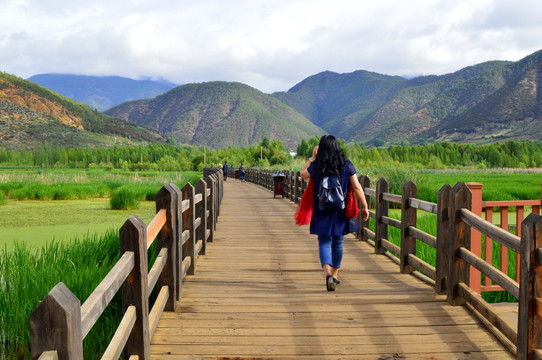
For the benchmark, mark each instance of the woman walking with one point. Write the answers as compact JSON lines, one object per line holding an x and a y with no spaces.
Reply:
{"x":328,"y":159}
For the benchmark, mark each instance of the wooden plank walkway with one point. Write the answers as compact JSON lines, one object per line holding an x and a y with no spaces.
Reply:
{"x":259,"y":293}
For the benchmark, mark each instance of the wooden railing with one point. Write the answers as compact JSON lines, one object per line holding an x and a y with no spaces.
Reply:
{"x":488,"y":208}
{"x":454,"y":258}
{"x":184,"y":223}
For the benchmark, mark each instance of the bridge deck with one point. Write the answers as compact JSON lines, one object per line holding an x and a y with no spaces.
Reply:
{"x":260,"y":293}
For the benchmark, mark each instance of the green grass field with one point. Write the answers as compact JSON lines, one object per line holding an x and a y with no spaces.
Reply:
{"x":498,"y":184}
{"x":36,"y":222}
{"x":38,"y":206}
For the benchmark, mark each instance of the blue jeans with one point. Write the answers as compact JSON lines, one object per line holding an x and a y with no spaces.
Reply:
{"x":331,"y":250}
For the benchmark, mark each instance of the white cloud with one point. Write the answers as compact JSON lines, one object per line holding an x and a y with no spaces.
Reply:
{"x":270,"y":45}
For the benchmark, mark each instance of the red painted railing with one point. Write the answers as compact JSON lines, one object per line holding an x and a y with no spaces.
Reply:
{"x":478,"y":207}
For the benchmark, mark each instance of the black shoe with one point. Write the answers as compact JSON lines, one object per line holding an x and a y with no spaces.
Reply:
{"x":330,"y":284}
{"x":336,"y":281}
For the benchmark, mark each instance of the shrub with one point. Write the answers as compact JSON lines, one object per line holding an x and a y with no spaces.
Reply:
{"x":124,"y":198}
{"x":2,"y":198}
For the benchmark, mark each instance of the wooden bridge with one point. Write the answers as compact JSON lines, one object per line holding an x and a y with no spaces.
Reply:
{"x":259,"y":292}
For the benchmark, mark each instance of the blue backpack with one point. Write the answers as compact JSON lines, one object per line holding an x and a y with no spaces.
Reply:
{"x":330,"y":195}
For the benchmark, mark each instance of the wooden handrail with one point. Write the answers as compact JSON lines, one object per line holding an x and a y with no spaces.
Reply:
{"x":392,"y":197}
{"x":102,"y":295}
{"x":157,"y":267}
{"x":498,"y":276}
{"x":423,"y":205}
{"x":503,"y":203}
{"x":155,"y":226}
{"x":114,"y":350}
{"x":49,"y":355}
{"x":130,"y":272}
{"x":496,"y":233}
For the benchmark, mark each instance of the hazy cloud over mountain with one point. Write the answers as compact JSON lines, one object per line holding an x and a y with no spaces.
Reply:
{"x":270,"y":45}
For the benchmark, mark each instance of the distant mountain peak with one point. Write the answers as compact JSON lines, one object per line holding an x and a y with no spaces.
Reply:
{"x":218,"y":114}
{"x":101,"y":92}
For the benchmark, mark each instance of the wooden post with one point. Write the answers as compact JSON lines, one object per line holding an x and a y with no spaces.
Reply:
{"x":167,"y":238}
{"x":365,"y":183}
{"x":408,"y":218}
{"x":211,"y":184}
{"x":218,"y":197}
{"x":381,"y":209}
{"x":189,"y":248}
{"x":530,"y":289}
{"x":292,"y":184}
{"x":476,"y":236}
{"x":443,"y":232}
{"x":133,"y":237}
{"x":178,"y":234}
{"x":297,"y":196}
{"x":56,"y":325}
{"x":199,"y":212}
{"x":458,"y":269}
{"x":287,"y":184}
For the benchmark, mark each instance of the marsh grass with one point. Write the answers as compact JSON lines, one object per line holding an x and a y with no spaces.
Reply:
{"x":496,"y":185}
{"x":124,"y":198}
{"x":32,"y":184}
{"x":29,"y":274}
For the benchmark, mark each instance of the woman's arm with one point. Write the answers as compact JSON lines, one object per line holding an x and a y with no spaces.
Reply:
{"x":304,"y":173}
{"x":360,"y":195}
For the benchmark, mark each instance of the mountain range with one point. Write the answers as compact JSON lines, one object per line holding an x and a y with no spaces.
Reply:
{"x":487,"y":102}
{"x":101,"y":92}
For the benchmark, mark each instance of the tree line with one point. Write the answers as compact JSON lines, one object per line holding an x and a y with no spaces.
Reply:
{"x":159,"y":157}
{"x":511,"y":154}
{"x":169,"y":157}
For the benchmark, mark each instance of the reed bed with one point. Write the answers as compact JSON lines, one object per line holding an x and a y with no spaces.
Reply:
{"x":32,"y":184}
{"x":28,"y":274}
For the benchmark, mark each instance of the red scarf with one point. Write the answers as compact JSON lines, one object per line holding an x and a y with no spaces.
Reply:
{"x":303,"y":214}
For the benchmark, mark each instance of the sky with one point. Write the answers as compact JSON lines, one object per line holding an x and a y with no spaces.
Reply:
{"x":270,"y":45}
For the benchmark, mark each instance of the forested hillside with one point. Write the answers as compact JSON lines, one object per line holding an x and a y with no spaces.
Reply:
{"x":219,"y":114}
{"x":340,"y":102}
{"x":101,"y":92}
{"x":488,"y":102}
{"x":31,"y":114}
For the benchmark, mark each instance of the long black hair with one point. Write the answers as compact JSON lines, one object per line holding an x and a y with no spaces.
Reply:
{"x":330,"y":158}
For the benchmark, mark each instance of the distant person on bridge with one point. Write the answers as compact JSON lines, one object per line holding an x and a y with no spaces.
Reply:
{"x":242,"y":173}
{"x":329,"y":159}
{"x":225,"y":170}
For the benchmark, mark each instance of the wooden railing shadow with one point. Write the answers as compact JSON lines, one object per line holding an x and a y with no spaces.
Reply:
{"x":452,"y":244}
{"x":185,"y":222}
